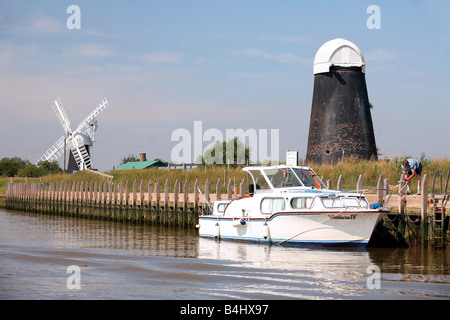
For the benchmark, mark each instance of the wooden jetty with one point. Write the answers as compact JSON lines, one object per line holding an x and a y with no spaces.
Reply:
{"x":415,"y":220}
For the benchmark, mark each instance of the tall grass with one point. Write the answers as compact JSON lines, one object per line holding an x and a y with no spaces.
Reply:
{"x":349,"y":168}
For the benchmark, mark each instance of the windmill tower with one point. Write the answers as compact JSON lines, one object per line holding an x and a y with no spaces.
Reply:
{"x":78,"y":141}
{"x":341,"y":123}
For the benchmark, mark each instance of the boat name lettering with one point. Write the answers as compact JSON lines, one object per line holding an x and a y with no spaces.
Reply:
{"x":342,"y":217}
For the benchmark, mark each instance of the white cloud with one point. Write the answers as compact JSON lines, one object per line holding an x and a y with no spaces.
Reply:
{"x":380,"y":55}
{"x":280,"y":57}
{"x":88,"y":50}
{"x":162,"y":57}
{"x":48,"y":25}
{"x":298,"y":39}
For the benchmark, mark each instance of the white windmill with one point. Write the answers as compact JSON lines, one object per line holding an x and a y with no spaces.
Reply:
{"x":78,"y":141}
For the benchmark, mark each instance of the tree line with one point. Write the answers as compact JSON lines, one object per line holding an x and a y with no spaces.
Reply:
{"x":17,"y":167}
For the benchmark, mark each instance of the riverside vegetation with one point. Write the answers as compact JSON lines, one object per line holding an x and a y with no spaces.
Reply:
{"x":349,"y":168}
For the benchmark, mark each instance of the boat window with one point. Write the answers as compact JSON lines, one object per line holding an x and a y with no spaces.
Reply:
{"x":282,"y":177}
{"x":271,"y":205}
{"x":355,"y":202}
{"x":301,"y":203}
{"x":261,"y":182}
{"x":221,"y":207}
{"x":332,"y":202}
{"x":308,"y":179}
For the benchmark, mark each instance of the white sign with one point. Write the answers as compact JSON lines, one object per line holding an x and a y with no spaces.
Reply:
{"x":292,"y":158}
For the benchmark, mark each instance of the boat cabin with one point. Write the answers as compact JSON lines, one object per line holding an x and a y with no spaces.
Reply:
{"x":287,"y":189}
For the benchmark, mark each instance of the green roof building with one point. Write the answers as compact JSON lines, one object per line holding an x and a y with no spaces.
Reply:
{"x":141,"y":165}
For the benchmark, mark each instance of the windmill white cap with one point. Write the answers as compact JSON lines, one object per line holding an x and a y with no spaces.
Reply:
{"x":338,"y":52}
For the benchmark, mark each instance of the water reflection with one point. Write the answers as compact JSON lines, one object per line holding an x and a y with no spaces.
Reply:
{"x":412,"y":260}
{"x":68,"y":232}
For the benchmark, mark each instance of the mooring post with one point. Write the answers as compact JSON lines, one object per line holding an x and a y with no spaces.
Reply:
{"x":242,"y":187}
{"x":149,"y":201}
{"x":401,"y":206}
{"x":424,"y":211}
{"x":359,"y":184}
{"x":340,"y":183}
{"x":133,"y":203}
{"x":158,"y":201}
{"x":196,"y":195}
{"x":229,"y":189}
{"x":176,"y":191}
{"x":166,"y":195}
{"x":380,"y":190}
{"x":401,"y":195}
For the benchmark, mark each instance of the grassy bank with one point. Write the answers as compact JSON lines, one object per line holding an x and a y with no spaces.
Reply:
{"x":349,"y":168}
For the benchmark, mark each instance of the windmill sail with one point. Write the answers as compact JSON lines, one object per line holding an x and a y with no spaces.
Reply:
{"x":61,"y":114}
{"x":54,"y":152}
{"x":102,"y":106}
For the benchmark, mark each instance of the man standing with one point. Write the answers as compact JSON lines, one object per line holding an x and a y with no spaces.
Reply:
{"x":412,"y":167}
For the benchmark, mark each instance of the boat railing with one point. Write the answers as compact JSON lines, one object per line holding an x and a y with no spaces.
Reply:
{"x":342,"y":194}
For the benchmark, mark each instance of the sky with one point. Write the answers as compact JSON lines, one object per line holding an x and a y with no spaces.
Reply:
{"x":231,"y":64}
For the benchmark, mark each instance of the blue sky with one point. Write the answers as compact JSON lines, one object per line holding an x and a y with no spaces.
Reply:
{"x":231,"y":64}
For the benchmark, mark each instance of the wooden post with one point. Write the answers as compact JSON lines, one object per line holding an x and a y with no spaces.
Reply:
{"x":176,"y":190}
{"x":126,"y":200}
{"x":185,"y":203}
{"x":401,"y":194}
{"x":94,"y":193}
{"x":424,"y":211}
{"x":196,"y":195}
{"x":120,"y":202}
{"x":207,"y":189}
{"x":113,"y":201}
{"x":158,"y":197}
{"x":166,"y":196}
{"x":218,"y":193}
{"x":329,"y":184}
{"x":108,"y":203}
{"x":133,"y":203}
{"x":359,"y":184}
{"x":141,"y":203}
{"x":186,"y":195}
{"x":401,"y":206}
{"x":149,"y":201}
{"x":380,"y":190}
{"x":229,"y":189}
{"x":340,"y":183}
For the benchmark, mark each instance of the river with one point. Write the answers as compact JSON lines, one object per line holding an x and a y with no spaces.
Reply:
{"x":53,"y":257}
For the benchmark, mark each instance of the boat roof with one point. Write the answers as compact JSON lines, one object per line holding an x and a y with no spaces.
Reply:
{"x":282,"y":166}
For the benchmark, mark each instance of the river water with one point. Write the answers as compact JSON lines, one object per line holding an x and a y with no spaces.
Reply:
{"x":53,"y":257}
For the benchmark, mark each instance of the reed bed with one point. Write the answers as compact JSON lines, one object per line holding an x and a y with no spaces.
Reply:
{"x":350,"y":169}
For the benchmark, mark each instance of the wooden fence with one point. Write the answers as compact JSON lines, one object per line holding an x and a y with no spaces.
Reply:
{"x":137,"y":202}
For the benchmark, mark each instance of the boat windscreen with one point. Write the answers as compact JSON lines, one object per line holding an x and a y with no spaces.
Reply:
{"x":308,"y":179}
{"x":282,"y":177}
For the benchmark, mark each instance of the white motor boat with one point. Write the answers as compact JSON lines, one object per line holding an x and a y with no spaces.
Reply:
{"x":290,"y":205}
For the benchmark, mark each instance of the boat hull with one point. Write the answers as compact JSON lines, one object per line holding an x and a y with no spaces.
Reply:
{"x":345,"y":228}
